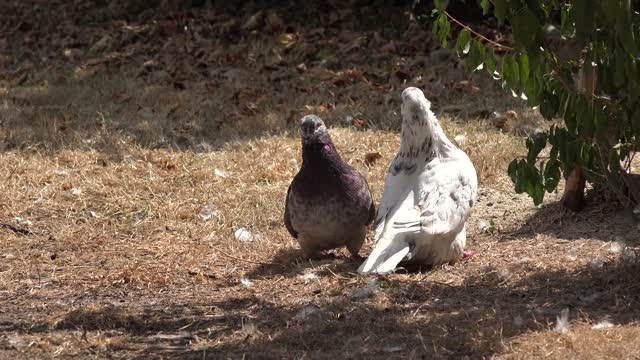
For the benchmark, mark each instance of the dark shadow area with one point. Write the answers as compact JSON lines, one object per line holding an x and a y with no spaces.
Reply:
{"x":195,"y":75}
{"x":290,"y":262}
{"x":417,"y":319}
{"x":601,"y":219}
{"x":435,"y":320}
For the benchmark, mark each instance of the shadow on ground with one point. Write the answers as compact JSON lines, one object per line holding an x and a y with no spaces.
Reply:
{"x":600,"y":220}
{"x":105,"y":113}
{"x":290,"y":262}
{"x":406,"y":319}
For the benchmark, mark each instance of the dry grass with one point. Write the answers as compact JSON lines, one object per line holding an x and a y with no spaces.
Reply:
{"x":106,"y":179}
{"x":120,"y":264}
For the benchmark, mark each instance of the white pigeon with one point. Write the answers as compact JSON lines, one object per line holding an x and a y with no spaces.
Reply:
{"x":428,"y":194}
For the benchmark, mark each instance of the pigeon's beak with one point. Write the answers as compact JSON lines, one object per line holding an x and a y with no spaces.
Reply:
{"x":308,"y":128}
{"x":307,"y":134}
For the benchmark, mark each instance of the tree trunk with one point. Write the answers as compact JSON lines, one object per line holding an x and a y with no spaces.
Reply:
{"x":573,"y":197}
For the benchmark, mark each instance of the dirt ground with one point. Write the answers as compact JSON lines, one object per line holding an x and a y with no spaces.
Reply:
{"x":144,"y":169}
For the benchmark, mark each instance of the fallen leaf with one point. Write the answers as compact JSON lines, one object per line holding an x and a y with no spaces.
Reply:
{"x":562,"y":322}
{"x":466,"y":86}
{"x":604,"y":324}
{"x":243,"y":234}
{"x":220,"y":173}
{"x":256,"y":20}
{"x":21,"y":221}
{"x":309,"y":277}
{"x":287,"y":39}
{"x":208,"y":212}
{"x":319,"y":109}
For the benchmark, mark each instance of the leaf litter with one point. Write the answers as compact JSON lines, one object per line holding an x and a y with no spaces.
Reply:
{"x":194,"y":55}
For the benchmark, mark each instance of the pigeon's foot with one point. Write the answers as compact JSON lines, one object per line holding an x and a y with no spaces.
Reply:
{"x":357,"y":257}
{"x":467,"y":254}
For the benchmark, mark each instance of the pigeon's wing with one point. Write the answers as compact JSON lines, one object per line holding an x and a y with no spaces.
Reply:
{"x":371,"y":210}
{"x":372,"y":213}
{"x":287,"y":216}
{"x":394,"y":193}
{"x":392,"y":245}
{"x":446,"y":200}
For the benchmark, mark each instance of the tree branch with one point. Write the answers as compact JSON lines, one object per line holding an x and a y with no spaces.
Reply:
{"x":477,"y":34}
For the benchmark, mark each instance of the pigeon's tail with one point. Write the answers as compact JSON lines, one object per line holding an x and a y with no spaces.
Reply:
{"x":387,"y":254}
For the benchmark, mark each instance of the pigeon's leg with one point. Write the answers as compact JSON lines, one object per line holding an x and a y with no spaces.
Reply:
{"x":312,"y":252}
{"x":308,"y":250}
{"x":355,"y":256}
{"x":355,"y":243}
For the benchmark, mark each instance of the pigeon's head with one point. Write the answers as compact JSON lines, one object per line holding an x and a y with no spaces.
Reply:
{"x":415,"y":107}
{"x":312,"y":128}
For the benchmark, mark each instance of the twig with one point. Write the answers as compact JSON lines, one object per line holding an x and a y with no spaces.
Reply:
{"x":629,"y":161}
{"x":17,"y":230}
{"x":476,"y":33}
{"x":336,"y":275}
{"x":245,"y":260}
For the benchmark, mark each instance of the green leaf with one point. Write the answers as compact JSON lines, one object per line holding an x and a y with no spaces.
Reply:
{"x":584,"y":19}
{"x":549,"y":104}
{"x":524,"y":70}
{"x":527,"y":31}
{"x":551,"y":175}
{"x":624,"y":27}
{"x":535,"y":144}
{"x":534,"y":90}
{"x":607,"y":32}
{"x":570,"y":119}
{"x":601,"y":122}
{"x":567,"y":17}
{"x":635,"y":120}
{"x":611,"y":10}
{"x":464,"y":41}
{"x":490,"y":62}
{"x":585,"y":118}
{"x":476,"y":55}
{"x":484,"y":4}
{"x":442,"y":28}
{"x":619,"y":77}
{"x":441,"y":5}
{"x":500,"y":10}
{"x":538,"y":193}
{"x":512,"y":171}
{"x":533,"y":183}
{"x":567,"y":149}
{"x":510,"y":71}
{"x":614,"y":162}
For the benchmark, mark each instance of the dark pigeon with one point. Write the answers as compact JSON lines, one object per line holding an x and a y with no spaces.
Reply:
{"x":328,"y":203}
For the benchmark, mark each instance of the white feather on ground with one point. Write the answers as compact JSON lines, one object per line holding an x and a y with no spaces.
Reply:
{"x":428,"y":194}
